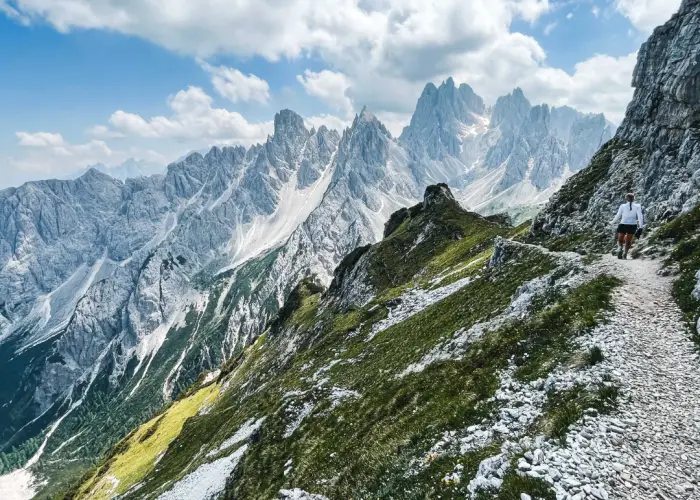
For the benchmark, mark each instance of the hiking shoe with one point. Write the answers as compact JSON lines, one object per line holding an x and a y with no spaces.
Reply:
{"x":619,"y":254}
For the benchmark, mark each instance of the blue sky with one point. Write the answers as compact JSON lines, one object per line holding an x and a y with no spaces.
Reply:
{"x":86,"y":81}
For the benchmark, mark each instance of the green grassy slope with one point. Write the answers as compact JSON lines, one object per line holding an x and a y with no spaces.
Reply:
{"x":684,"y":235}
{"x":342,"y":416}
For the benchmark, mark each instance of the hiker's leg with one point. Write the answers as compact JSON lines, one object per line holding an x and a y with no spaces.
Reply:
{"x":620,"y":244}
{"x":628,"y":244}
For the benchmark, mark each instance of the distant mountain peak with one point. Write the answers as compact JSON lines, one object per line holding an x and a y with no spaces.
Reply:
{"x":94,"y":174}
{"x":288,"y":123}
{"x":510,"y":109}
{"x":443,"y":119}
{"x":366,"y":115}
{"x":366,"y":120}
{"x":129,"y":169}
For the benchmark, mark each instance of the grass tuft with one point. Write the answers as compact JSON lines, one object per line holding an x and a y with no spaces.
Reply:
{"x":684,"y":232}
{"x":563,"y":409}
{"x":594,"y":356}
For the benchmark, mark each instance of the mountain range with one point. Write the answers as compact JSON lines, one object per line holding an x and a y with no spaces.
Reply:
{"x":439,"y":352}
{"x":118,"y":292}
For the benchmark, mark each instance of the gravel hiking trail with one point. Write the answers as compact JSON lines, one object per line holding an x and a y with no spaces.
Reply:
{"x":656,"y":444}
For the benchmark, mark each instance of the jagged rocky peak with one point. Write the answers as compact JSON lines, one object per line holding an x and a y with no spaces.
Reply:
{"x":131,"y":169}
{"x":451,"y":101}
{"x":437,"y":194}
{"x":538,"y":121}
{"x":289,"y":126}
{"x":95,"y":176}
{"x":510,"y":110}
{"x":438,"y":198}
{"x":367,"y":119}
{"x":367,"y":137}
{"x":656,"y":150}
{"x":446,"y":121}
{"x":318,"y":153}
{"x":443,"y":109}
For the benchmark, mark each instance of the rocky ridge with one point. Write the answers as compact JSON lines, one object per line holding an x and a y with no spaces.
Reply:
{"x":499,"y":159}
{"x":655,"y":150}
{"x":320,"y":363}
{"x":96,"y":272}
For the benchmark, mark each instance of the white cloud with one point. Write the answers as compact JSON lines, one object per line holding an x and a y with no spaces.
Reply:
{"x":601,"y":83}
{"x":269,"y":28}
{"x":549,"y":28}
{"x":103,"y":132}
{"x":395,"y":122}
{"x":13,"y":13}
{"x":531,"y":10}
{"x":410,"y":39}
{"x":40,"y":139}
{"x":193,"y":119}
{"x":595,"y":11}
{"x":501,"y":67}
{"x":235,"y":86}
{"x":50,"y":154}
{"x":570,"y":16}
{"x":382,"y":52}
{"x":329,"y":86}
{"x":646,"y":15}
{"x":330,"y":121}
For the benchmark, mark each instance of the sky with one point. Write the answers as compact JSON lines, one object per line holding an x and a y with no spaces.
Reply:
{"x":101,"y":81}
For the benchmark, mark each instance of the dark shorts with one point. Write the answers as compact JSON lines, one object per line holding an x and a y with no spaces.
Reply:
{"x":627,"y":229}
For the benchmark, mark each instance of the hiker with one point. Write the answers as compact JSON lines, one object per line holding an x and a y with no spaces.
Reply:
{"x":631,"y":224}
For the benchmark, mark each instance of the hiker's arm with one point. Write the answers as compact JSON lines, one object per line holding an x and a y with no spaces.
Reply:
{"x":618,"y":216}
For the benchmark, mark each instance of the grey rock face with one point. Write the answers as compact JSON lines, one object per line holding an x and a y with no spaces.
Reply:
{"x":507,"y":117}
{"x":585,"y":132}
{"x":371,"y":179}
{"x":317,"y":156}
{"x":509,"y":156}
{"x":551,"y":143}
{"x":97,"y":267}
{"x":656,"y":153}
{"x":510,"y":111}
{"x":437,"y":125}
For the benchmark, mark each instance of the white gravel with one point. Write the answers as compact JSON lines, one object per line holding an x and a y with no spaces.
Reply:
{"x":295,"y":416}
{"x":458,"y":345}
{"x":414,"y":301}
{"x":299,"y":494}
{"x":650,"y":447}
{"x":243,"y":433}
{"x":208,"y":481}
{"x":17,"y":485}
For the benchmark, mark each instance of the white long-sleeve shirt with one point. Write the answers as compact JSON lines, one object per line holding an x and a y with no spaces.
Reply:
{"x":629,"y":215}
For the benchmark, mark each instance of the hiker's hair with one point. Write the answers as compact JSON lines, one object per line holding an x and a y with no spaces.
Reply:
{"x":630,"y":198}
